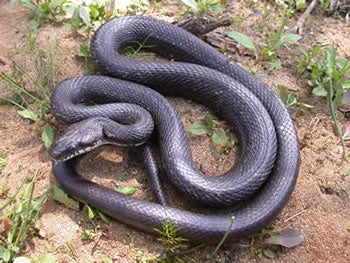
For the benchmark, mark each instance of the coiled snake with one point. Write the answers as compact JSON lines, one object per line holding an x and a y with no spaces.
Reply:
{"x":267,"y":169}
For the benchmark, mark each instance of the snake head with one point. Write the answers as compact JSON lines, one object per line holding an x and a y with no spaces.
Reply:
{"x":77,"y":139}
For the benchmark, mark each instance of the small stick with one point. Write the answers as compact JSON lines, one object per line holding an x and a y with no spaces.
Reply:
{"x":295,"y":215}
{"x":302,"y":18}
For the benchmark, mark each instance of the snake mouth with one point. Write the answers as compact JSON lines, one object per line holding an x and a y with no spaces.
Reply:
{"x":63,"y":154}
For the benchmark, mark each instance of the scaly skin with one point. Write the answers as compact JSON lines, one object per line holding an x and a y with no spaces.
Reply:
{"x":266,"y":172}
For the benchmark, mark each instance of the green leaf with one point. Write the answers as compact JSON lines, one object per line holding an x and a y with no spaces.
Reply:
{"x":284,"y":94}
{"x":300,"y":4}
{"x":76,"y":19}
{"x":87,"y":234}
{"x":59,"y":18}
{"x":209,"y":119}
{"x":242,"y":39}
{"x":219,"y":137}
{"x":316,"y":50}
{"x":287,"y":238}
{"x":202,"y":6}
{"x":127,"y":190}
{"x":28,"y":4}
{"x":85,"y":15}
{"x":92,"y":213}
{"x":192,"y":4}
{"x":269,"y":253}
{"x":47,"y":136}
{"x":216,"y":7}
{"x":292,"y":99}
{"x":104,"y":217}
{"x":94,"y":12}
{"x":89,"y":212}
{"x":67,"y":27}
{"x":346,"y":84}
{"x":342,"y":62}
{"x":198,"y":128}
{"x":276,"y":64}
{"x":304,"y":105}
{"x":34,"y":24}
{"x":319,"y":91}
{"x":5,"y":254}
{"x":29,"y":114}
{"x":60,"y":196}
{"x":21,"y":260}
{"x":54,"y":4}
{"x":290,"y":39}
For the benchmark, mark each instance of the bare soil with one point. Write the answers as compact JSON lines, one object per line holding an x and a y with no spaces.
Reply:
{"x":319,"y":205}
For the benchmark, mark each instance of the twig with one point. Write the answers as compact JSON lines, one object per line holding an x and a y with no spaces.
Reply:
{"x":202,"y":25}
{"x":334,"y":4}
{"x":3,"y":61}
{"x":295,"y":215}
{"x":302,"y":18}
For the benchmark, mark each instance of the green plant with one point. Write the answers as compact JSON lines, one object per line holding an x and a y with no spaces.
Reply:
{"x":85,"y":54}
{"x":3,"y":161}
{"x":86,"y":16}
{"x":141,"y":255}
{"x":136,"y":7}
{"x":38,"y":115}
{"x":329,"y":77}
{"x":291,"y":101}
{"x":94,"y":233}
{"x":168,"y":236}
{"x":209,"y":124}
{"x":43,"y":258}
{"x":304,"y":58}
{"x":292,"y":4}
{"x":345,"y":129}
{"x":73,"y":253}
{"x":270,"y":241}
{"x":79,"y":15}
{"x":91,"y":213}
{"x":18,"y":219}
{"x":45,"y":11}
{"x":33,"y":95}
{"x":202,"y":6}
{"x":138,"y":50}
{"x":328,"y":67}
{"x":177,"y":250}
{"x":278,"y":39}
{"x":275,"y":42}
{"x":172,"y":242}
{"x":324,"y":4}
{"x":299,"y":4}
{"x":229,"y":228}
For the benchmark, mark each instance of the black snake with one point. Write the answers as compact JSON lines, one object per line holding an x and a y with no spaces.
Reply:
{"x":267,"y":169}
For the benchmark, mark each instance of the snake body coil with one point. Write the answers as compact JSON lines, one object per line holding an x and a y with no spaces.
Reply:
{"x":267,"y":169}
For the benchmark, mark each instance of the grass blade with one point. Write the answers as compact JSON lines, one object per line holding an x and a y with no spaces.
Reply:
{"x":333,"y":115}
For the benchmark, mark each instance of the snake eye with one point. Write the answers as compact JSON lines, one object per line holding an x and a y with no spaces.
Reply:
{"x":78,"y":138}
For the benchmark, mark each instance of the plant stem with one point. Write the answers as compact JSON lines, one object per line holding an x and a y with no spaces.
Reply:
{"x":10,"y":200}
{"x":225,"y":236}
{"x":333,"y":115}
{"x":29,"y":195}
{"x":18,"y":87}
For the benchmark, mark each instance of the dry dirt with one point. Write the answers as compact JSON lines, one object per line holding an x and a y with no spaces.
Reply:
{"x":319,"y":205}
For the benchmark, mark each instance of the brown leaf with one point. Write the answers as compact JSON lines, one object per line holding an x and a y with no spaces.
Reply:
{"x":7,"y":224}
